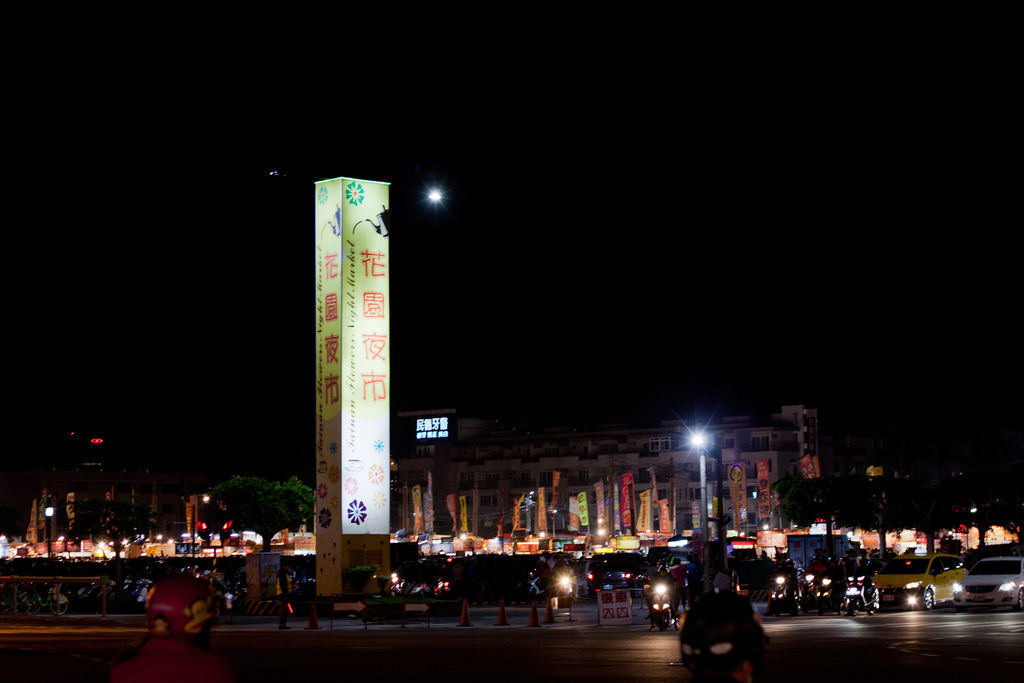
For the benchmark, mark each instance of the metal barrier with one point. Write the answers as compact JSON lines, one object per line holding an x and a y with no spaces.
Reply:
{"x":14,"y":581}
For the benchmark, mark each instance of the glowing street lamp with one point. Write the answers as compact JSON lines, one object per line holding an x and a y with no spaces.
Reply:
{"x":435,"y":196}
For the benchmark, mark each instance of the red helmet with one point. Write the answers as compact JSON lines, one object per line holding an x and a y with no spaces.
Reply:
{"x":184,"y":602}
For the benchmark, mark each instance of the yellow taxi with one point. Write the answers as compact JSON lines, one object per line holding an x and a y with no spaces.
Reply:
{"x":919,"y":581}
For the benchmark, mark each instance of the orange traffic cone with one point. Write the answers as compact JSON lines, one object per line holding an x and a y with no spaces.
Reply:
{"x":464,"y":621}
{"x":313,"y":623}
{"x":549,"y":614}
{"x":533,"y":614}
{"x":502,"y":621}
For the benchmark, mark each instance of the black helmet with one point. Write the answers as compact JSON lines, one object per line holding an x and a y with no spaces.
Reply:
{"x":720,"y":632}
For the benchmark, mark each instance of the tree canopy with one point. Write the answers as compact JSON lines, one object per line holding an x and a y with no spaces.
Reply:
{"x":262,"y":505}
{"x":112,"y":521}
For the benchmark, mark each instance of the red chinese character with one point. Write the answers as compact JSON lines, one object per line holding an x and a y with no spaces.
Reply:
{"x":620,"y":596}
{"x":331,"y":389}
{"x":331,"y":265}
{"x":373,"y":263}
{"x":331,"y":306}
{"x":622,"y":611}
{"x":374,"y":381}
{"x":374,"y":345}
{"x":607,"y":597}
{"x":373,"y":304}
{"x":331,"y":348}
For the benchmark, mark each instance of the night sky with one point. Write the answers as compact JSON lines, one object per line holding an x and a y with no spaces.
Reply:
{"x":592,"y":260}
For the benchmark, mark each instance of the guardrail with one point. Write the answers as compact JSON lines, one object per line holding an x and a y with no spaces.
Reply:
{"x":14,"y":581}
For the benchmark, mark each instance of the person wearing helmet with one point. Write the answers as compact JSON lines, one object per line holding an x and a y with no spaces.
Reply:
{"x":178,"y":613}
{"x":722,"y":639}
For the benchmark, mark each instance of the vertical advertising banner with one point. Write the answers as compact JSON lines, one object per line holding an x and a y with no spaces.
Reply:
{"x":463,"y":515}
{"x":353,"y":372}
{"x":501,"y":514}
{"x":450,"y":500}
{"x":627,"y":512}
{"x":417,"y":510}
{"x":738,"y":493}
{"x":428,"y":505}
{"x":695,"y":515}
{"x":615,"y":506}
{"x":665,"y":521}
{"x":764,"y":494}
{"x":555,"y":476}
{"x":542,"y":511}
{"x":515,"y":512}
{"x":807,"y":467}
{"x":581,"y":504}
{"x":574,"y":513}
{"x":643,"y":522}
{"x":599,"y":494}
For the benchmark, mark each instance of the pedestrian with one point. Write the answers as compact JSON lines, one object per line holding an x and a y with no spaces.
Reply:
{"x":284,"y":590}
{"x":722,"y":639}
{"x":178,"y":613}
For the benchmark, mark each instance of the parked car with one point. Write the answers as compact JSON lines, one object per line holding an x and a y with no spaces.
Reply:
{"x":919,"y":581}
{"x":617,"y":571}
{"x":992,"y":582}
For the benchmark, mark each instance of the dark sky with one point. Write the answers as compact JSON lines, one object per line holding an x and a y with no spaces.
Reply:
{"x":853,"y":248}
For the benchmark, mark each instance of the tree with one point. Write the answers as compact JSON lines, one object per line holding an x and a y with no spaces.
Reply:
{"x":264,"y":506}
{"x":112,"y":521}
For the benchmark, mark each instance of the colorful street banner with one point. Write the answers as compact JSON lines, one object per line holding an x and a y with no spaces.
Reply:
{"x":808,"y":469}
{"x":574,"y":513}
{"x":33,"y":523}
{"x":599,"y":494}
{"x":764,"y":494}
{"x":450,"y":500}
{"x":463,"y":516}
{"x":581,"y":503}
{"x":501,"y":515}
{"x":428,"y":505}
{"x":542,"y":511}
{"x":417,"y":510}
{"x":738,"y":492}
{"x":554,"y":487}
{"x":515,"y":511}
{"x":695,"y":514}
{"x":664,"y":520}
{"x":654,"y":493}
{"x":615,"y":506}
{"x":627,"y":494}
{"x":643,"y":513}
{"x":352,"y":269}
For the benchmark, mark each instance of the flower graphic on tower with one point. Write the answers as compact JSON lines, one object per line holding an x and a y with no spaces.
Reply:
{"x":321,"y":195}
{"x":378,"y":446}
{"x":379,"y":500}
{"x":351,"y":486}
{"x":376,"y":474}
{"x":321,"y":491}
{"x":324,"y":518}
{"x":356,"y":512}
{"x":354,"y":194}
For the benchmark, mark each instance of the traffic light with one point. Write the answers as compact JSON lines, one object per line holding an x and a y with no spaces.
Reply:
{"x":203,"y":530}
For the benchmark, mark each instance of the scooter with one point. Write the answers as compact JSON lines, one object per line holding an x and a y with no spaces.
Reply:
{"x":810,"y":588}
{"x":660,"y":605}
{"x":860,"y":595}
{"x":785,"y":596}
{"x":830,"y":596}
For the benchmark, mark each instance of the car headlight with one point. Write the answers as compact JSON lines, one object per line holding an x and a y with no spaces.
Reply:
{"x":912,"y":585}
{"x":957,"y":588}
{"x":826,"y":582}
{"x":809,"y":577}
{"x":1008,"y":587}
{"x":780,"y":580}
{"x":564,"y":581}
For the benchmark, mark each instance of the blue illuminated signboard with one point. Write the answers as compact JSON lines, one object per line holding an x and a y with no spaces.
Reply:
{"x":432,"y":428}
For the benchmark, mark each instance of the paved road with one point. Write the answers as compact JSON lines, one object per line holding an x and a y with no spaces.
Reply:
{"x":940,"y":646}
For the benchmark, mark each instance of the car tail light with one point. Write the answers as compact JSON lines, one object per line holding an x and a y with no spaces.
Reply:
{"x":590,"y":577}
{"x":629,"y":576}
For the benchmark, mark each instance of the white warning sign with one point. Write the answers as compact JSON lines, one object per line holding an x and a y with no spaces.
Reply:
{"x":614,"y":607}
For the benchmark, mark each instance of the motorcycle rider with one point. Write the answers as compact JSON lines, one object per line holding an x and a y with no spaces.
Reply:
{"x":671,"y":595}
{"x":722,"y":639}
{"x":837,"y":575}
{"x":178,"y":613}
{"x":865,"y":569}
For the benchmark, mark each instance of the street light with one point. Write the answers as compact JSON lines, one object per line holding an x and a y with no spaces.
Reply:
{"x":435,"y":196}
{"x":697,"y":440}
{"x":49,"y":520}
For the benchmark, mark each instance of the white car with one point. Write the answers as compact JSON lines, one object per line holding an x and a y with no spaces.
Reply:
{"x":992,"y":582}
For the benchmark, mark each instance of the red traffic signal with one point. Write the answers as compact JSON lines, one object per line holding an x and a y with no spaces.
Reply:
{"x":227,"y":525}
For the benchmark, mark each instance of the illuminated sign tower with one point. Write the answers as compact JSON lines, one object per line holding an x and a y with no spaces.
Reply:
{"x":353,"y":379}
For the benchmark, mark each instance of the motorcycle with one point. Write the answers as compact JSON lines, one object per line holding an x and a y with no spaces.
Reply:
{"x":810,"y":589}
{"x":659,"y":603}
{"x":860,"y":595}
{"x":785,"y":596}
{"x":830,"y":596}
